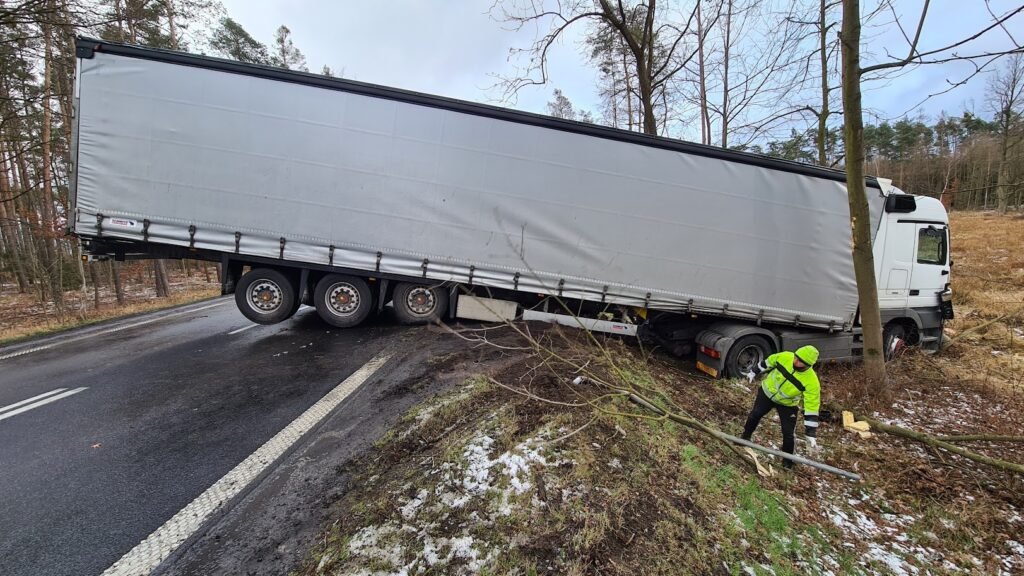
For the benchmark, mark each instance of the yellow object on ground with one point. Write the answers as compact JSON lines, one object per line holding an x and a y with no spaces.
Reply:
{"x":761,"y":470}
{"x":862,"y":428}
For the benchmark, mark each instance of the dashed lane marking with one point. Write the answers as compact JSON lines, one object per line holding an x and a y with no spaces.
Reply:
{"x":46,"y":399}
{"x":149,"y":553}
{"x":30,"y":400}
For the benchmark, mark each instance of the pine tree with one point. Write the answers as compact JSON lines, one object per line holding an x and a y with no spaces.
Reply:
{"x":286,"y":55}
{"x":231,"y":40}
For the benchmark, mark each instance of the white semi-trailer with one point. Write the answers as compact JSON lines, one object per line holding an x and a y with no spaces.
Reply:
{"x":348,"y":196}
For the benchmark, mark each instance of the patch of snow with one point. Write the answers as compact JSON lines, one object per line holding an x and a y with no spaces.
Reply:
{"x":891,"y":560}
{"x":367,"y":543}
{"x":412,"y":506}
{"x":614,"y":463}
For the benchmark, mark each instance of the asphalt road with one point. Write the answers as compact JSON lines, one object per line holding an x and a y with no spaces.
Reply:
{"x":156,"y":409}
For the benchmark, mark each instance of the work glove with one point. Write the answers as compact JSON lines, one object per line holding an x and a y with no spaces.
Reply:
{"x":750,"y":376}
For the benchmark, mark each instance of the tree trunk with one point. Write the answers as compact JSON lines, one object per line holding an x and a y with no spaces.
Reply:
{"x":824,"y":112}
{"x":705,"y":119}
{"x":94,"y":278}
{"x":629,"y":92}
{"x":115,"y":273}
{"x":726,"y":41}
{"x":647,"y":104}
{"x":81,"y":276}
{"x":860,"y":218}
{"x":54,"y":267}
{"x":172,"y":28}
{"x":160,"y":279}
{"x":8,"y":228}
{"x":1003,"y":178}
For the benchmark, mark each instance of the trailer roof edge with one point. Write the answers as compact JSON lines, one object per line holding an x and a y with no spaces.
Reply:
{"x":86,"y":48}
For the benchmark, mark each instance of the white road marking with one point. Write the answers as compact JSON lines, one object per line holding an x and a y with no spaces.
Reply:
{"x":109,"y":331}
{"x":242,"y":329}
{"x":43,"y":402}
{"x":30,"y":400}
{"x":149,"y":553}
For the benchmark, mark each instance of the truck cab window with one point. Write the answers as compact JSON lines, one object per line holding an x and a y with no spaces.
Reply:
{"x":931,"y":246}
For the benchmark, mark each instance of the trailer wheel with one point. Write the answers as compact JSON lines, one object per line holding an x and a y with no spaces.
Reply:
{"x":266,"y":296}
{"x":343,"y":301}
{"x":420,"y":303}
{"x":745,"y":354}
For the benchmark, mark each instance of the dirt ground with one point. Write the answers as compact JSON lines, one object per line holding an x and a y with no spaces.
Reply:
{"x":522,"y":471}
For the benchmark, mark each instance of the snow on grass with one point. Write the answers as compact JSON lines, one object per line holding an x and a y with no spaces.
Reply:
{"x":888,"y":544}
{"x":489,"y":484}
{"x":1013,"y":563}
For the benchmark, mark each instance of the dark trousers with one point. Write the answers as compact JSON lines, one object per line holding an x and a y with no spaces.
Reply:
{"x":787,"y":416}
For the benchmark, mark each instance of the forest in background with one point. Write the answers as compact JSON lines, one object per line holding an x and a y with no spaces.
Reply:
{"x":765,"y":89}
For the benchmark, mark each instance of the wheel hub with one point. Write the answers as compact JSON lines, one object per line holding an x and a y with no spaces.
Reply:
{"x":421,"y":301}
{"x":749,"y":357}
{"x":343,"y":299}
{"x":265,"y":296}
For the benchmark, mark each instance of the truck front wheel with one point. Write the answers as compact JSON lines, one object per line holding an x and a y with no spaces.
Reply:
{"x":420,"y":303}
{"x":343,"y":301}
{"x":266,"y":296}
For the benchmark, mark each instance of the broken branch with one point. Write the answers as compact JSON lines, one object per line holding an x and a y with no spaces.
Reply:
{"x":945,"y":445}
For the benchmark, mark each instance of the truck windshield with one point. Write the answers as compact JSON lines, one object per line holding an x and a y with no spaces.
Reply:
{"x":931,"y":246}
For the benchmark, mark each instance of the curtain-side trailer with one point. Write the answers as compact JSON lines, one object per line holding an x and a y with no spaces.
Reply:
{"x":349,"y":196}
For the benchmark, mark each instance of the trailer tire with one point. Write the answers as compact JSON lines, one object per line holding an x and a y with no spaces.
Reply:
{"x":420,"y":303}
{"x":746,"y":353}
{"x":343,"y":301}
{"x":266,"y":296}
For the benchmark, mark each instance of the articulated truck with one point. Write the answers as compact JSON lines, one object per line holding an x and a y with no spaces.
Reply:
{"x":351,"y":197}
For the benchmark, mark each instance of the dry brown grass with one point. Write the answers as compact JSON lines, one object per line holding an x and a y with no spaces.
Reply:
{"x":988,"y":289}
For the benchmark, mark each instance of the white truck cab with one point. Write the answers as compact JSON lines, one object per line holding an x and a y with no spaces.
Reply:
{"x":912,"y":266}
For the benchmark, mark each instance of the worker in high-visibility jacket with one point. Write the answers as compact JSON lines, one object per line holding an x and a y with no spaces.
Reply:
{"x":790,"y":378}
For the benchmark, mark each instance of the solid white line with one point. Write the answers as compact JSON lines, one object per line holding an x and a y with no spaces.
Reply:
{"x":30,"y":400}
{"x":242,"y":329}
{"x":149,"y":553}
{"x":60,"y":396}
{"x":108,"y":331}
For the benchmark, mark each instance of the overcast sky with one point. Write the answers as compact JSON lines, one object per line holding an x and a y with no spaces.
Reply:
{"x":456,"y":48}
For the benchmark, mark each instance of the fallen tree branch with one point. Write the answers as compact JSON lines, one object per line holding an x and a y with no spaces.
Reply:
{"x":945,"y":445}
{"x":732,"y":441}
{"x":980,"y":438}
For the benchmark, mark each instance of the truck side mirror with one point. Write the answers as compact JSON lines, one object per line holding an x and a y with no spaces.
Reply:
{"x":900,"y":203}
